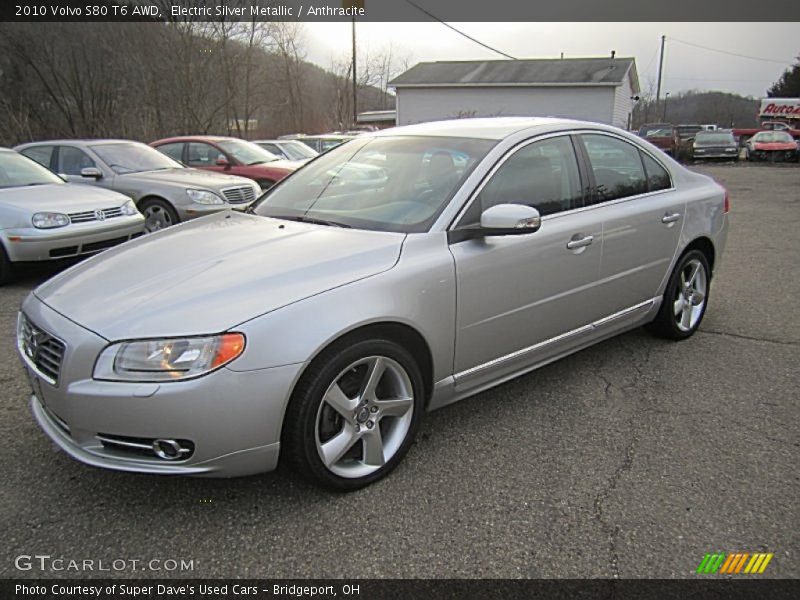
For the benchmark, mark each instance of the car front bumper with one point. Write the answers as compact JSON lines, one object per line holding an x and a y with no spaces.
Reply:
{"x":30,"y":244}
{"x":231,"y":420}
{"x":730,"y":155}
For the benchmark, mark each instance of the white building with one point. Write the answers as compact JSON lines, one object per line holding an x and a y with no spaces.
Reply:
{"x":591,"y":89}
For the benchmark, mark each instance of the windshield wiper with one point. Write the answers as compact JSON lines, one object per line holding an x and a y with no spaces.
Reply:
{"x":312,"y":220}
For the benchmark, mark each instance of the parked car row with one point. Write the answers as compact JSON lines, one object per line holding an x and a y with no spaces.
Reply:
{"x":704,"y":142}
{"x":164,"y":190}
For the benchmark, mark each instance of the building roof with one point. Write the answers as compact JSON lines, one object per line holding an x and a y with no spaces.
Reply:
{"x":544,"y":72}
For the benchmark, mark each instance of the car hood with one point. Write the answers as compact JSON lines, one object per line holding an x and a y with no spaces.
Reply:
{"x":64,"y":198}
{"x":188,"y":177}
{"x":210,"y":274}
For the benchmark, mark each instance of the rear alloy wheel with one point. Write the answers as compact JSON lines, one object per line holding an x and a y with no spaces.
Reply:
{"x":158,"y":215}
{"x":685,"y":299}
{"x":354,"y":414}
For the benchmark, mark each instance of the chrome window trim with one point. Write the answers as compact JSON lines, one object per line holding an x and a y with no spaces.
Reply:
{"x":538,"y":345}
{"x":454,"y":225}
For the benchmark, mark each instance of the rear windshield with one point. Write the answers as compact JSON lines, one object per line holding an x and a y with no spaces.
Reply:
{"x":714,"y":137}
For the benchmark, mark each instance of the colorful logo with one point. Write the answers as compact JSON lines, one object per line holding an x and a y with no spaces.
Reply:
{"x":734,"y":563}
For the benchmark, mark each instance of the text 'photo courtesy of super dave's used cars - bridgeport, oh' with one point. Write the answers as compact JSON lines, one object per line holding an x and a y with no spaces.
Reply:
{"x":324,"y":321}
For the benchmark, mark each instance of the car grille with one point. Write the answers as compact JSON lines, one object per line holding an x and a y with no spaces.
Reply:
{"x":88,"y":216}
{"x":239,"y":195}
{"x":43,"y":350}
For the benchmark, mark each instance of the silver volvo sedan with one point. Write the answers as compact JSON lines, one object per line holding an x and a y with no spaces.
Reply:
{"x":320,"y":326}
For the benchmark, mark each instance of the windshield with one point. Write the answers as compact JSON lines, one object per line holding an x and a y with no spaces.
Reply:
{"x":773,"y":136}
{"x":656,"y":129}
{"x":133,"y":157}
{"x":247,"y":153}
{"x":298,"y":150}
{"x":383,"y":183}
{"x":17,"y":171}
{"x":708,"y":138}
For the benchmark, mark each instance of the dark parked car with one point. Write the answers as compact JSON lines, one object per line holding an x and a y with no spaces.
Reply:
{"x":227,"y":155}
{"x":718,"y":144}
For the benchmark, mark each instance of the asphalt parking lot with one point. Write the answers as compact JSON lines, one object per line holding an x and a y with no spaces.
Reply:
{"x":633,"y":458}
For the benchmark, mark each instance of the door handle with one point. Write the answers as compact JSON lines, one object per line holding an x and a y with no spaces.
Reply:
{"x":580,"y":242}
{"x":670,"y":217}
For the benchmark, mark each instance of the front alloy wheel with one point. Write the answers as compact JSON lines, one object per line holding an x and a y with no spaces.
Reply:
{"x":354,"y":414}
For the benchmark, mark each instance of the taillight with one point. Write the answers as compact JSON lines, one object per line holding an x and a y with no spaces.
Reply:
{"x":727,"y":207}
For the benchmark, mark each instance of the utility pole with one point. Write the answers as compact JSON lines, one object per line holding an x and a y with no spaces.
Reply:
{"x":660,"y":71}
{"x":355,"y":78}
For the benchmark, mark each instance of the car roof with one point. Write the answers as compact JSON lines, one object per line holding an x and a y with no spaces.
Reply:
{"x":490,"y":128}
{"x":203,"y":138}
{"x":78,"y":142}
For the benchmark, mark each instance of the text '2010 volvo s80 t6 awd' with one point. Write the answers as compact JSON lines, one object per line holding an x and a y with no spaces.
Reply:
{"x":321,"y":325}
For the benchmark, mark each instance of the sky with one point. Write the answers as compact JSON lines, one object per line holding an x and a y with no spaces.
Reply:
{"x":685,"y":66}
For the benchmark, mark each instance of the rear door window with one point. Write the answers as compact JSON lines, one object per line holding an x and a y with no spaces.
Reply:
{"x":41,"y":154}
{"x":616,"y":165}
{"x":173,"y":150}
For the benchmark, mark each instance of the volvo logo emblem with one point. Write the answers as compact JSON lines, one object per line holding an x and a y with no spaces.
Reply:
{"x":99,"y":215}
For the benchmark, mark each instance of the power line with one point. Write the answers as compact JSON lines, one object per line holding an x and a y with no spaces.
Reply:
{"x":780,"y":62}
{"x":766,"y":79}
{"x":458,"y":31}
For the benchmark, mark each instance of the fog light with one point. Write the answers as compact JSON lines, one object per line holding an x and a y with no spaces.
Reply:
{"x":170,"y":449}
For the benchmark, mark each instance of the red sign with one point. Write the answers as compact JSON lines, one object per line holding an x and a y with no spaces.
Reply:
{"x":780,"y":107}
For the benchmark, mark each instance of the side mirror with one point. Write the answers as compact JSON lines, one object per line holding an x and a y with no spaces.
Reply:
{"x":222,"y":161}
{"x":91,"y":173}
{"x":510,"y":219}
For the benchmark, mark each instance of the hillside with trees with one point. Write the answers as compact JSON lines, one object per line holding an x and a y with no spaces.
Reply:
{"x":150,"y":80}
{"x":720,"y":108}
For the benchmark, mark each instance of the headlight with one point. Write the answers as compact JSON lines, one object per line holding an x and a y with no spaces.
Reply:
{"x":49,"y":220}
{"x":204,"y":197}
{"x":129,"y":208}
{"x":171,"y":359}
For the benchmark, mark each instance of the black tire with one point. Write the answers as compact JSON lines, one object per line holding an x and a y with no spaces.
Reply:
{"x":6,"y":271}
{"x":304,"y":415}
{"x":159,"y":214}
{"x":667,"y":324}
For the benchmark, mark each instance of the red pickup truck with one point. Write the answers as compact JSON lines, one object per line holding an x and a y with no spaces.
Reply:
{"x":662,"y":135}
